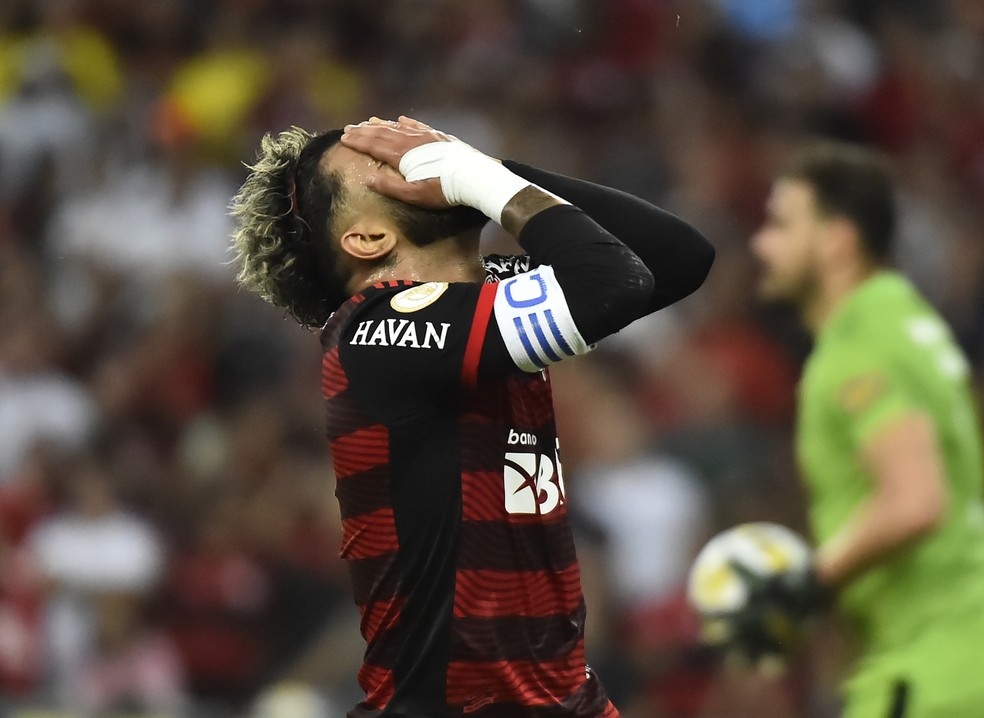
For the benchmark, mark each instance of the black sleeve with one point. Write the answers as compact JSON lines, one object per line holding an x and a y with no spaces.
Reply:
{"x":677,"y":254}
{"x":605,"y":285}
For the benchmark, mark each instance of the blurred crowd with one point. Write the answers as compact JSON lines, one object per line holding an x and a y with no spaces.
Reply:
{"x":168,"y":532}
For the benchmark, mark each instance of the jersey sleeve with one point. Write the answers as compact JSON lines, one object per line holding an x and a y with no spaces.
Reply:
{"x":865,"y":393}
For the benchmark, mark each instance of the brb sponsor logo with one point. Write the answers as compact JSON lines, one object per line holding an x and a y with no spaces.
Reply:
{"x":533,"y":481}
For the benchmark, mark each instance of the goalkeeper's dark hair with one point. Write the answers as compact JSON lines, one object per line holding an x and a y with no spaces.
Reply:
{"x":285,"y":211}
{"x":852,"y":182}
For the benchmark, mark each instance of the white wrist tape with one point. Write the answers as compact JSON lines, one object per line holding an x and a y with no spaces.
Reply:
{"x":467,"y":176}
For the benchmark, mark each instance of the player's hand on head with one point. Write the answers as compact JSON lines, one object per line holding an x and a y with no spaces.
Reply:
{"x":389,"y":141}
{"x":437,"y":170}
{"x":411,"y":123}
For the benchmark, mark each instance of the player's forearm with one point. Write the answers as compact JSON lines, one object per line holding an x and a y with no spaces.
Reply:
{"x":908,"y":501}
{"x":876,"y":532}
{"x":676,"y":253}
{"x":606,"y":286}
{"x":524,"y":205}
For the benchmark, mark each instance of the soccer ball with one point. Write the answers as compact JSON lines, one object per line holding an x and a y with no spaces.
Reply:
{"x":736,"y":587}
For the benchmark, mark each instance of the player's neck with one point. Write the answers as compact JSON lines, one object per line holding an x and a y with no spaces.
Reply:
{"x":455,"y":259}
{"x":835,"y":287}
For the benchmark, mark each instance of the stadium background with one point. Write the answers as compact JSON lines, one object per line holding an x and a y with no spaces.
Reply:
{"x":168,"y":538}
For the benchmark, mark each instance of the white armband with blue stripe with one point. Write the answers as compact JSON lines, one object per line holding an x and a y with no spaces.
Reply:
{"x":535,"y":321}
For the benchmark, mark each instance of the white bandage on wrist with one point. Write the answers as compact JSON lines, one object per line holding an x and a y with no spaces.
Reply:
{"x":467,"y":176}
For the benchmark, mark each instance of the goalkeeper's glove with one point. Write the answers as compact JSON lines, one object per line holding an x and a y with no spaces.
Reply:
{"x":771,"y":623}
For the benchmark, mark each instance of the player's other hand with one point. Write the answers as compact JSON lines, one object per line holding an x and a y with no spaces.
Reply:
{"x":388,"y":141}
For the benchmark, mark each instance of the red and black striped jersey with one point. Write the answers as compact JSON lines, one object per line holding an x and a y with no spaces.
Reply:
{"x":441,"y":427}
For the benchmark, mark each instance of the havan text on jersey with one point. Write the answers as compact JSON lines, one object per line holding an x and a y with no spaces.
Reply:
{"x":400,"y":333}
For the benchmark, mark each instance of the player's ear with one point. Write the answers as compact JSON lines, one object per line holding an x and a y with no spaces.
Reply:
{"x":367,"y":241}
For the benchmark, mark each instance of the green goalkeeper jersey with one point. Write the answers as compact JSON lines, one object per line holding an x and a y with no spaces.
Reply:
{"x":885,"y":352}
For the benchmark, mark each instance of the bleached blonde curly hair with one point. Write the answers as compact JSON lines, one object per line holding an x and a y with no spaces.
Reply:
{"x":284,"y":212}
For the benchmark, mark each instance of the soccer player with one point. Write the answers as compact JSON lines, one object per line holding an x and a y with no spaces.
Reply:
{"x":887,"y":440}
{"x":439,"y":413}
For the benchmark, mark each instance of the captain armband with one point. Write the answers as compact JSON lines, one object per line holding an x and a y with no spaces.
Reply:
{"x":535,"y":321}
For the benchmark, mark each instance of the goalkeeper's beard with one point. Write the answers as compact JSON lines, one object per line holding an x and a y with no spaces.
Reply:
{"x":799,"y":291}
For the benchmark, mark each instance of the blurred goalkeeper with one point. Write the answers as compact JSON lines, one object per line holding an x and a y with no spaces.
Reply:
{"x":887,"y":440}
{"x":438,"y":405}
